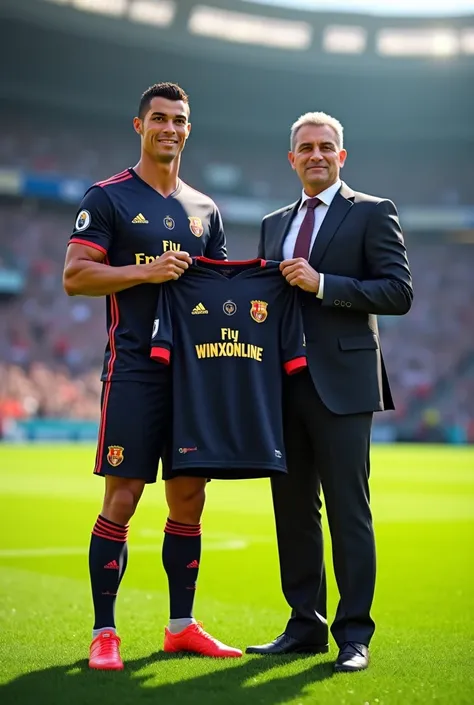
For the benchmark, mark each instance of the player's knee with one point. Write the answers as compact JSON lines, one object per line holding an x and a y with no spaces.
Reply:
{"x":120,"y":502}
{"x":186,"y":503}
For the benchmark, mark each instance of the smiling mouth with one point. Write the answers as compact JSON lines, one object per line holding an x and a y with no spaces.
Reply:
{"x":168,"y":141}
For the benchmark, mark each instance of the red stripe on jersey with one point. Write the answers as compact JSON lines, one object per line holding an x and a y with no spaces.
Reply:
{"x":112,"y":178}
{"x":78,"y":241}
{"x":161,"y":355}
{"x":115,"y":316}
{"x":295,"y":365}
{"x":115,"y":181}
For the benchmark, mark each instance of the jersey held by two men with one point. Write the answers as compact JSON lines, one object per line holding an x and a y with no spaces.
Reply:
{"x":131,"y":223}
{"x":230,"y":330}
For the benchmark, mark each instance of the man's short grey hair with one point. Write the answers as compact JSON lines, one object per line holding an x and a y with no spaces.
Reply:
{"x":317,"y":119}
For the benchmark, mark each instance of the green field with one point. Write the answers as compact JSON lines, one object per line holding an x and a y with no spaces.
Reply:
{"x":422,"y":652}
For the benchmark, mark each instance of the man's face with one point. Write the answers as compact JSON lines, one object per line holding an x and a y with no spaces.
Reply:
{"x":316,"y":157}
{"x":164,"y":129}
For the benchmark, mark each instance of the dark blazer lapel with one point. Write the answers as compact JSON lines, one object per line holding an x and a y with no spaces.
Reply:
{"x":337,"y":211}
{"x":281,"y":230}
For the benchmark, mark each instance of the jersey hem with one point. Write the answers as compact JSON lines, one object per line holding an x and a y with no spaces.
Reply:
{"x":295,"y":365}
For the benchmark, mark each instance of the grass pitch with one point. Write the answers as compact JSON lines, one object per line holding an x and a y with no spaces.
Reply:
{"x":423,"y":502}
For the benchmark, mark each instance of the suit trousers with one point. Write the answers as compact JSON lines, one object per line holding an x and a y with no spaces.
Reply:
{"x":328,"y":451}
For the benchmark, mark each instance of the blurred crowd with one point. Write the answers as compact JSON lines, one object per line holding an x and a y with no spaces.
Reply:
{"x":411,"y":174}
{"x":51,"y":346}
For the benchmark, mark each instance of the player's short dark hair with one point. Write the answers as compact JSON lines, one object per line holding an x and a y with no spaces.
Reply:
{"x":171,"y":91}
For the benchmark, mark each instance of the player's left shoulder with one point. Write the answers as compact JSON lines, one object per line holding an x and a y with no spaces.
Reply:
{"x":196,"y":197}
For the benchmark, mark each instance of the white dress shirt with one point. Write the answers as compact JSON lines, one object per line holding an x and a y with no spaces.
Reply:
{"x":326,"y":197}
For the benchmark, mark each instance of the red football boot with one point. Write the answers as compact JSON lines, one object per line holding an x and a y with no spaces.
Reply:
{"x":104,"y":652}
{"x":195,"y":640}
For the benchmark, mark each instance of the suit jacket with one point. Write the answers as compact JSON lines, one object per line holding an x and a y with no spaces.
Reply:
{"x":360,"y":250}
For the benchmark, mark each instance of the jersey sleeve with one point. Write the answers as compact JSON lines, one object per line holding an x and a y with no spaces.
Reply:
{"x":162,"y":333}
{"x":216,"y":248}
{"x":94,"y":221}
{"x":292,"y":341}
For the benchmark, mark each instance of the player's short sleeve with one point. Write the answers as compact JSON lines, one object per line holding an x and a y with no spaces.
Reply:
{"x":292,"y":340}
{"x":162,"y":332}
{"x":94,"y":221}
{"x":216,"y":247}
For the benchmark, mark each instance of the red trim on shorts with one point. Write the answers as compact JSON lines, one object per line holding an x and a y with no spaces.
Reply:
{"x":295,"y":365}
{"x":78,"y":241}
{"x":161,"y":355}
{"x":115,"y":316}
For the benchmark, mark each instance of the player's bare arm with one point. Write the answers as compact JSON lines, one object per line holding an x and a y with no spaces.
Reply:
{"x":87,"y":274}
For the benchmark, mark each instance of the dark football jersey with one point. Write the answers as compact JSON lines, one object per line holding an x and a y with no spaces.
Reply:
{"x":131,"y":223}
{"x":230,"y":330}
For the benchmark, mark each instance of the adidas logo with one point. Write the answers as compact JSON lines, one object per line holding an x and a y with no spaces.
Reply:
{"x":193,"y":564}
{"x":200,"y":308}
{"x":113,"y":565}
{"x":140,"y":218}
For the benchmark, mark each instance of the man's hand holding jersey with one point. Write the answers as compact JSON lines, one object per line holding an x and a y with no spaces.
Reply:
{"x":87,"y":273}
{"x":170,"y":265}
{"x":298,"y":272}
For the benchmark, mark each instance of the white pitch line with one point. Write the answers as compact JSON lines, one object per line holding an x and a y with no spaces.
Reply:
{"x":236,"y":545}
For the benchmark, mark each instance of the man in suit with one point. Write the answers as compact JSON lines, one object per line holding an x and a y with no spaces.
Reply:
{"x":345,"y":252}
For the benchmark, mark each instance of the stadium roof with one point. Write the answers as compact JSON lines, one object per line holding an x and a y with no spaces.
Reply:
{"x":387,"y":8}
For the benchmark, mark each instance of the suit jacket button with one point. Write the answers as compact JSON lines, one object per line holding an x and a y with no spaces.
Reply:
{"x":337,"y":302}
{"x":348,"y":304}
{"x":343,"y":303}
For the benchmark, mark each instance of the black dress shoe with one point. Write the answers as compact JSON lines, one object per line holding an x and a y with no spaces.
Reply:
{"x":352,"y":657}
{"x":285,"y":644}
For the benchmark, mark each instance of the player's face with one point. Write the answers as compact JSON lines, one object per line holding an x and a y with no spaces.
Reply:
{"x":164,"y":129}
{"x":316,"y":157}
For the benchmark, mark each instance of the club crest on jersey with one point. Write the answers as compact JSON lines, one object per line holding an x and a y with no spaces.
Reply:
{"x":229,"y":308}
{"x":115,"y":455}
{"x":168,"y":222}
{"x":195,"y":225}
{"x":83,"y":220}
{"x":258,"y":311}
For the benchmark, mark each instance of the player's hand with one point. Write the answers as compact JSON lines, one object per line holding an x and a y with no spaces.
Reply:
{"x":298,"y":272}
{"x":170,"y":265}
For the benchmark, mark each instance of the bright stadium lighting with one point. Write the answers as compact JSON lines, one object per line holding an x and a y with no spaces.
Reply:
{"x":467,"y":40}
{"x":338,"y":39}
{"x":417,"y":42}
{"x":249,"y":29}
{"x":102,"y":7}
{"x":381,"y":8}
{"x":155,"y":12}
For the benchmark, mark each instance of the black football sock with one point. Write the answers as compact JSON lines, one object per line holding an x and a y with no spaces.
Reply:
{"x":181,"y":557}
{"x":107,"y":563}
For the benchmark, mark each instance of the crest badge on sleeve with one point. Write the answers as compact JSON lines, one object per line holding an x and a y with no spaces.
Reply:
{"x":115,"y":455}
{"x":259,"y":311}
{"x":195,"y":225}
{"x":83,"y":220}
